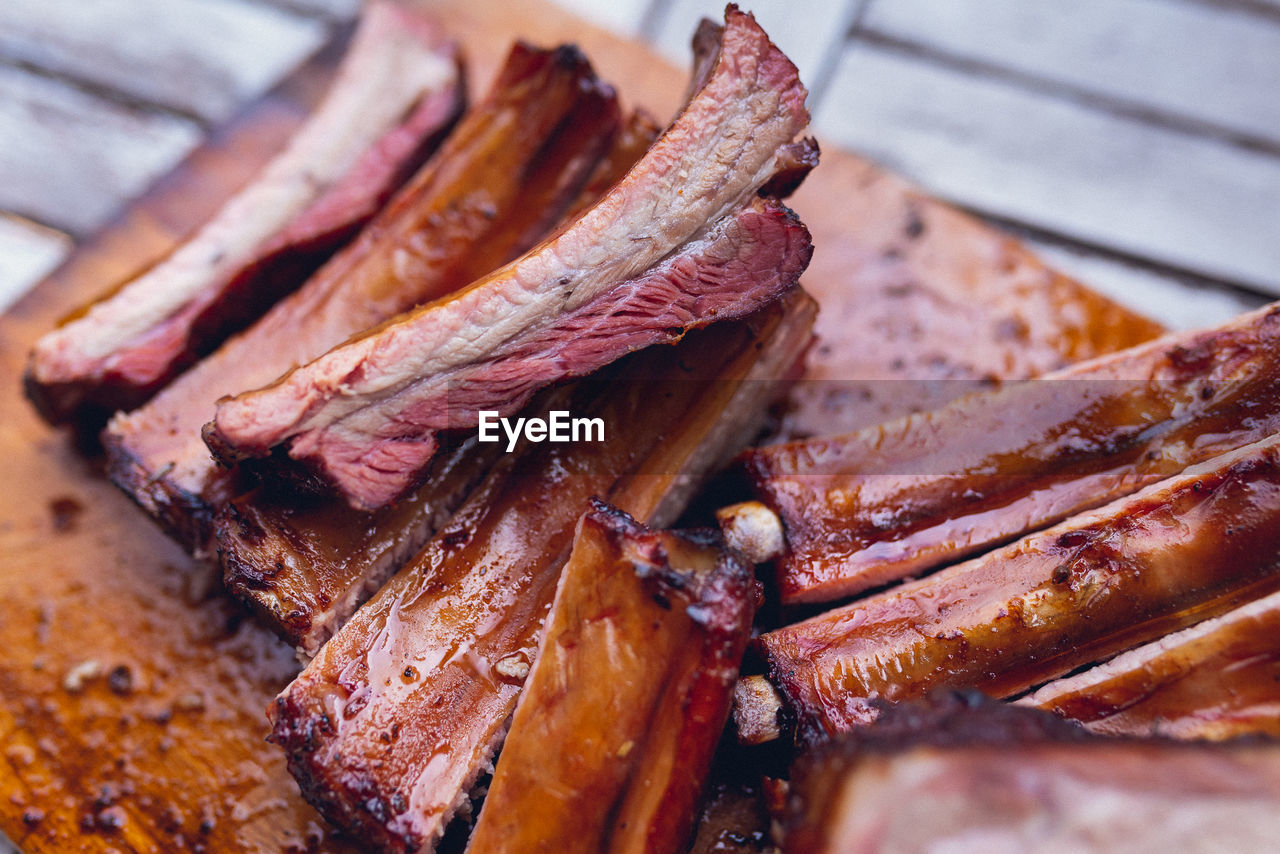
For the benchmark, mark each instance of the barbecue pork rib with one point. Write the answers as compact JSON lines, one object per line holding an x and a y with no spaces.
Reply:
{"x":963,"y":775}
{"x":396,"y":95}
{"x":304,"y":563}
{"x":1184,"y":549}
{"x":875,"y":506}
{"x":612,"y":739}
{"x":677,"y":243}
{"x":390,"y":725}
{"x":747,"y":260}
{"x":1216,"y":680}
{"x":512,"y":168}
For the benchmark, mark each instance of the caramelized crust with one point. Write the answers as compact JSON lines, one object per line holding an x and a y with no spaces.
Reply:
{"x":390,"y":725}
{"x":612,"y":740}
{"x":1216,"y":680}
{"x":1186,"y":548}
{"x":871,"y":507}
{"x":304,"y":563}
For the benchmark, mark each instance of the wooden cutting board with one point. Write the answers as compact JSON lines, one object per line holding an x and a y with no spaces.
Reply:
{"x":132,"y":691}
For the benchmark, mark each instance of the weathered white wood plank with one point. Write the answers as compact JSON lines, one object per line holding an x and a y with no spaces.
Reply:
{"x":27,"y":253}
{"x":810,"y":32}
{"x":1175,"y":303}
{"x":1211,"y":64}
{"x":201,"y":57}
{"x":623,"y":17}
{"x":1153,"y":193}
{"x":69,"y":159}
{"x":338,"y":10}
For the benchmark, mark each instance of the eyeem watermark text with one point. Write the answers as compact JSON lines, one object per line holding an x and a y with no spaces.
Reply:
{"x":559,"y":426}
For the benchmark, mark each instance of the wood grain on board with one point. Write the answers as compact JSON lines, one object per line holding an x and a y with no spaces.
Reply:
{"x":132,"y":691}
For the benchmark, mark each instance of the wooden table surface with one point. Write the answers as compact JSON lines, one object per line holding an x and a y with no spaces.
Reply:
{"x":1135,"y":143}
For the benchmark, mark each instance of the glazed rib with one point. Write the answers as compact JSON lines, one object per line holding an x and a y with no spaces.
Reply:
{"x":1179,"y":551}
{"x":1216,"y":680}
{"x":991,"y":779}
{"x":876,"y":506}
{"x":395,"y":97}
{"x":678,"y":236}
{"x":611,"y":743}
{"x":388,"y":728}
{"x":305,"y":563}
{"x":512,"y":168}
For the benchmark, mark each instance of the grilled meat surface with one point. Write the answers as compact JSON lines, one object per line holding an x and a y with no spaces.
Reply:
{"x":389,"y":727}
{"x":891,"y":501}
{"x":965,"y":775}
{"x":304,"y":563}
{"x":1186,"y":548}
{"x":612,"y":740}
{"x":1215,"y":680}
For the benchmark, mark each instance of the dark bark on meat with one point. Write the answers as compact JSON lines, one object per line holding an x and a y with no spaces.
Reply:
{"x":305,"y":563}
{"x":392,"y":723}
{"x":748,"y":260}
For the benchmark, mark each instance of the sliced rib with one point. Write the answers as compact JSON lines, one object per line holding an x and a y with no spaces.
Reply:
{"x":678,"y":236}
{"x":1186,"y":548}
{"x":990,"y":778}
{"x":391,"y":724}
{"x":305,"y":563}
{"x":1219,"y":679}
{"x":872,"y":507}
{"x":396,"y":95}
{"x":508,"y":173}
{"x":611,"y":743}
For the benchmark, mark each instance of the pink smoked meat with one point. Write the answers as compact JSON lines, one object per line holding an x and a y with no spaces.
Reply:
{"x":682,"y":240}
